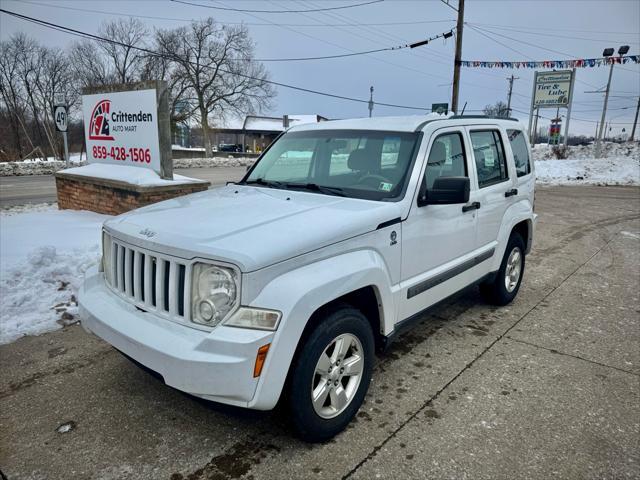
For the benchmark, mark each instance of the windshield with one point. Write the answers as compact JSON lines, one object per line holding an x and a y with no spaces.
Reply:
{"x":363,"y":164}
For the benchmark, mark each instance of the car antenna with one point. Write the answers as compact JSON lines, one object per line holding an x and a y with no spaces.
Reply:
{"x":463,"y":108}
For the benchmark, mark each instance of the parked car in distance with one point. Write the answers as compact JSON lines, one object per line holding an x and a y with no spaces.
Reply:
{"x":282,"y":286}
{"x":229,"y":147}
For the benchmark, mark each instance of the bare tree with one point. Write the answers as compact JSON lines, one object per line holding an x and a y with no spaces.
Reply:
{"x":89,"y":65}
{"x":216,"y":64}
{"x":30,"y":77}
{"x":499,"y":109}
{"x":126,"y":61}
{"x":157,"y":67}
{"x":102,"y":62}
{"x":11,"y":93}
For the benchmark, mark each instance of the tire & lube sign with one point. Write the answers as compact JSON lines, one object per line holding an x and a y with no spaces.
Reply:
{"x":552,"y":89}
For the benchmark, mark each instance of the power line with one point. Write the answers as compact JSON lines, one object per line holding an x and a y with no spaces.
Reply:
{"x":446,"y":2}
{"x":230,"y":9}
{"x":79,"y":33}
{"x":573,"y":118}
{"x":249,"y":24}
{"x":387,"y":49}
{"x":554,"y":29}
{"x":404,"y":67}
{"x":540,"y":47}
{"x":478,"y":31}
{"x":509,"y":29}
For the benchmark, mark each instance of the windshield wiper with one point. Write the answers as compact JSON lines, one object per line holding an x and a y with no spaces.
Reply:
{"x":265,"y":183}
{"x":314,"y":187}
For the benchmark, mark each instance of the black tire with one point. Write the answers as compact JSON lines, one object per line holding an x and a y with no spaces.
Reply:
{"x":342,"y":319}
{"x":495,"y":291}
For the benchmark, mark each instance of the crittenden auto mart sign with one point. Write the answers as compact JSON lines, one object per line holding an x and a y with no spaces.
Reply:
{"x":552,"y":89}
{"x":125,"y":125}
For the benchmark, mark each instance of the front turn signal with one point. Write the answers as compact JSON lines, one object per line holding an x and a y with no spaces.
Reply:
{"x":260,"y":358}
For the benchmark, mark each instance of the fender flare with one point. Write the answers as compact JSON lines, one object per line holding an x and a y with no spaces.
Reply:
{"x":516,"y":213}
{"x":301,"y":292}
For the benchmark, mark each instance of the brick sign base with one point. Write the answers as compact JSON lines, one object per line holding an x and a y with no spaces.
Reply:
{"x":112,"y":197}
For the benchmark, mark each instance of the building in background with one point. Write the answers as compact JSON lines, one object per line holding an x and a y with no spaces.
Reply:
{"x":252,"y":134}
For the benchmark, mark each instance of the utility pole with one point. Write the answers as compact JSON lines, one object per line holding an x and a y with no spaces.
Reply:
{"x":511,"y":79}
{"x":604,"y":114}
{"x":458,"y":58}
{"x":635,"y":122}
{"x":370,"y":101}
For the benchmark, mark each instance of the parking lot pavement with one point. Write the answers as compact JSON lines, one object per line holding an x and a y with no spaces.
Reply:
{"x":546,"y":387}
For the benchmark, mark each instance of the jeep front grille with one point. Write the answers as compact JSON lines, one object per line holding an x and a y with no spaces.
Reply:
{"x":151,"y":281}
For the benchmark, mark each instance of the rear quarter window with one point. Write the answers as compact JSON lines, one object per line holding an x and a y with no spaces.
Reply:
{"x":520,"y":152}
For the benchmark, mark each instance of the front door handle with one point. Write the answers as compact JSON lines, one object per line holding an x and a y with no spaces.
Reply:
{"x":511,"y":193}
{"x":471,"y":206}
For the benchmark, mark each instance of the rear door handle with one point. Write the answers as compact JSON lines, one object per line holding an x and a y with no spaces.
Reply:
{"x":511,"y":193}
{"x":471,"y":206}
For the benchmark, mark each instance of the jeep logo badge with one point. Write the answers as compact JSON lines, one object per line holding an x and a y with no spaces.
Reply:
{"x":147,"y":233}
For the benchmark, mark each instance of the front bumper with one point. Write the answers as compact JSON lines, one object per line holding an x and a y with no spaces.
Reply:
{"x":216,"y":365}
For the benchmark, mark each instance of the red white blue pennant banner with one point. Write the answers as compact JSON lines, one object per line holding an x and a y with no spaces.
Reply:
{"x":577,"y":63}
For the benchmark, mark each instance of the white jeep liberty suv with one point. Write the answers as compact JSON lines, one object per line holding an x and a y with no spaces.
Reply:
{"x":284,"y":284}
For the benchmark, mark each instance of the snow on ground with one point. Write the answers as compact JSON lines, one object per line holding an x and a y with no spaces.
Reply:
{"x":44,"y":253}
{"x":620,"y":165}
{"x":132,"y":175}
{"x":589,"y":171}
{"x":542,"y":151}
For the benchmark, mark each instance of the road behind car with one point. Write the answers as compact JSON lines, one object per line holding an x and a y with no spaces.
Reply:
{"x":546,"y":387}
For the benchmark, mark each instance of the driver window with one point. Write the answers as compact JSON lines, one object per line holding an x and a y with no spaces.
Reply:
{"x":446,"y":158}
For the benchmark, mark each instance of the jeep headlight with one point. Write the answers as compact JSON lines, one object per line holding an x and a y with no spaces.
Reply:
{"x":214,"y":293}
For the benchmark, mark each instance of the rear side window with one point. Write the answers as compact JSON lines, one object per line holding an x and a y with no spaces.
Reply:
{"x":520,"y":152}
{"x":446,"y":158}
{"x":489,"y":155}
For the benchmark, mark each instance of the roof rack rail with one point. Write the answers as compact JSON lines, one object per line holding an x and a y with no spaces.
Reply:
{"x":491,"y":117}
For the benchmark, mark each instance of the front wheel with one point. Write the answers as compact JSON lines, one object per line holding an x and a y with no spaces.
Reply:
{"x":503,"y":288}
{"x":331,"y":374}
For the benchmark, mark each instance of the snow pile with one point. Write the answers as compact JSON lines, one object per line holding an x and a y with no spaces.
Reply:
{"x":589,"y":171}
{"x":43,"y":255}
{"x":26,"y":167}
{"x":132,"y":175}
{"x":27,"y":208}
{"x":187,"y":149}
{"x":620,"y":165}
{"x":49,"y":168}
{"x":213,"y":162}
{"x":542,"y":151}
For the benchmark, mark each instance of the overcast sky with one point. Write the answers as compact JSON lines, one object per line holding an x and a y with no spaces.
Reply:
{"x":550,"y":30}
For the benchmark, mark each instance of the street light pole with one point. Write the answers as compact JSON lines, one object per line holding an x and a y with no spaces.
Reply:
{"x":608,"y":52}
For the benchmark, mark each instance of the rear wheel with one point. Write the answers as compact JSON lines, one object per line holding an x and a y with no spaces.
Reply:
{"x":331,"y":374}
{"x":503,"y":288}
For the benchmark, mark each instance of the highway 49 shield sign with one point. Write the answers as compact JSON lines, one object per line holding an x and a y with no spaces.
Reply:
{"x":60,"y":117}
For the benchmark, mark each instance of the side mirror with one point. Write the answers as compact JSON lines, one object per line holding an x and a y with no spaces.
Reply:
{"x":445,"y":191}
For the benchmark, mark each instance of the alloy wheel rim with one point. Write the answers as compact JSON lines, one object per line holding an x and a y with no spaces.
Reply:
{"x":337,"y":375}
{"x":513,"y":270}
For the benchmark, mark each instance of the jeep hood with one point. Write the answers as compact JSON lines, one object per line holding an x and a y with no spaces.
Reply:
{"x":251,"y":227}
